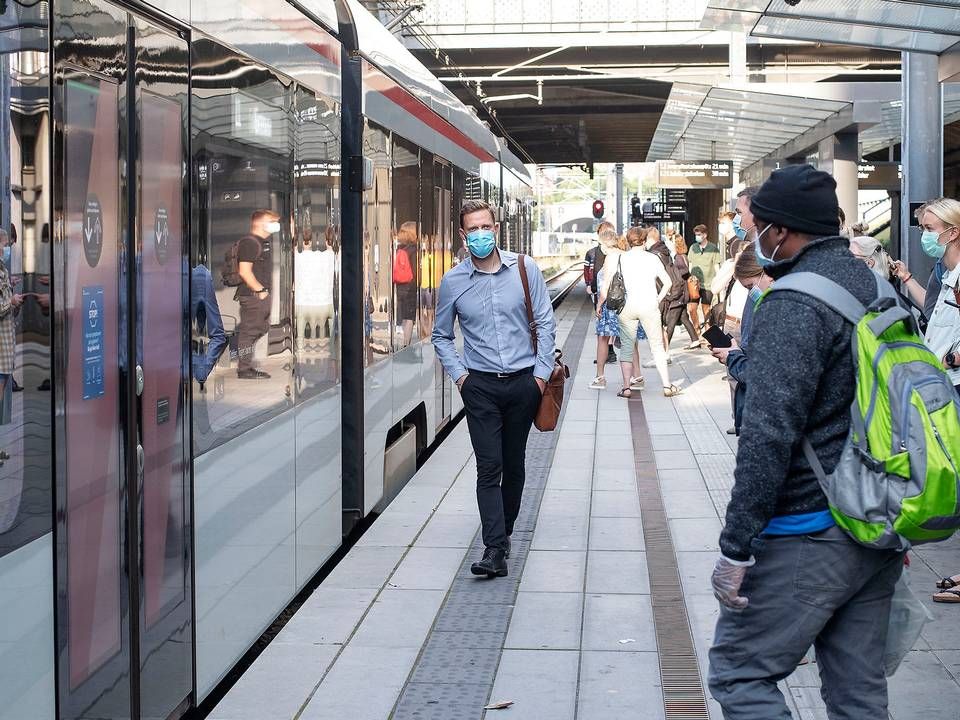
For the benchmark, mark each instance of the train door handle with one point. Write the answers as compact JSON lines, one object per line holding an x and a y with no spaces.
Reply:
{"x":140,"y":460}
{"x":139,"y":377}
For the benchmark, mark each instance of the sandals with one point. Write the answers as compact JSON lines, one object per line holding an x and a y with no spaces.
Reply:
{"x":625,"y":393}
{"x":671,"y":391}
{"x":637,"y":383}
{"x":599,"y":383}
{"x":948,"y":582}
{"x":947,"y":596}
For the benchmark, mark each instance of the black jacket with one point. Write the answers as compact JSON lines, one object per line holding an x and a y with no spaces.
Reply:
{"x":676,"y":296}
{"x":800,"y":382}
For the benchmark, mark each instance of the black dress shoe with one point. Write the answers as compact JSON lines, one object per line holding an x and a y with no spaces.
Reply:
{"x":17,"y":387}
{"x":492,"y":564}
{"x":252,"y":375}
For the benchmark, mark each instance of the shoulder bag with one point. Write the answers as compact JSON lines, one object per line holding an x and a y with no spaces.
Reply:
{"x":548,"y":414}
{"x":617,"y":292}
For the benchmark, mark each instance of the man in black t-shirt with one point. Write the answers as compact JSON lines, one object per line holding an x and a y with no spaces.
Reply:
{"x":255,"y":267}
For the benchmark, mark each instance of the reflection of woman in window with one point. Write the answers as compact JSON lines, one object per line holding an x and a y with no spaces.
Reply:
{"x":429,"y":270}
{"x":313,"y":282}
{"x":405,"y":278}
{"x":9,"y":307}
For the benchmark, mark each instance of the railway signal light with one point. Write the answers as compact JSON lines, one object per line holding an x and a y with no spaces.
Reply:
{"x":598,"y":209}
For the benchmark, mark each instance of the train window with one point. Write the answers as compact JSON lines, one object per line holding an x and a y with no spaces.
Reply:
{"x":316,"y":237}
{"x":377,"y":249}
{"x":26,"y":461}
{"x":406,"y":224}
{"x":430,"y":246}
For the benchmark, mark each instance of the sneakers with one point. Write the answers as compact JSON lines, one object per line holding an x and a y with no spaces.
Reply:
{"x":599,"y":383}
{"x":695,"y":345}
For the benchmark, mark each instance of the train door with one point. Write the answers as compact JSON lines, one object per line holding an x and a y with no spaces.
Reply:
{"x":443,"y":254}
{"x":124,"y":600}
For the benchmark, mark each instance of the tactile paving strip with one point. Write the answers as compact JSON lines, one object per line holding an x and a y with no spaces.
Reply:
{"x":453,"y":677}
{"x":683,"y":693}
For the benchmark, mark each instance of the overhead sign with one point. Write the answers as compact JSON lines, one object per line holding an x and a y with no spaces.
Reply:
{"x":714,"y":174}
{"x":879,"y":175}
{"x":665,"y":216}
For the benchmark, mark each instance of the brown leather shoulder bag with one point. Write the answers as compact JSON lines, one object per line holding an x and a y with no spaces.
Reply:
{"x":548,"y":414}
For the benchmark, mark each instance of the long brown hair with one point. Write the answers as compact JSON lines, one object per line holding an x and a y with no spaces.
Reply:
{"x":636,"y":236}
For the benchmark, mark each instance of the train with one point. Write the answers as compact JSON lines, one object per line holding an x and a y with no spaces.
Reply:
{"x":167,"y":484}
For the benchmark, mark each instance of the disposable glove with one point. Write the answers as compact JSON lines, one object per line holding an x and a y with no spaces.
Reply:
{"x":726,"y":580}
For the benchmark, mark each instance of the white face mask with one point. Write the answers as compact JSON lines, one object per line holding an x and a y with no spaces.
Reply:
{"x":273,"y":227}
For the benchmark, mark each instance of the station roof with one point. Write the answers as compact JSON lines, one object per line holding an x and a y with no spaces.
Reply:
{"x":916,"y":25}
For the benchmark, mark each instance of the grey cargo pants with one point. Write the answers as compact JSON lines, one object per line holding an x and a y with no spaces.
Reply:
{"x":822,"y":590}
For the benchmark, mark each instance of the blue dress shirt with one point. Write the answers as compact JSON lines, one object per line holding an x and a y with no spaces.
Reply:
{"x":493,"y":320}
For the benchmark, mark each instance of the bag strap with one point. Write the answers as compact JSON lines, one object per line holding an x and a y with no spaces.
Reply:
{"x":826,"y":291}
{"x":525,"y":281}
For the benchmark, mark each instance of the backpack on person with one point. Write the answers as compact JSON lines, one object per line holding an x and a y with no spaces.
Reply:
{"x":402,"y":270}
{"x":897,"y":481}
{"x":230,"y":274}
{"x":617,"y":293}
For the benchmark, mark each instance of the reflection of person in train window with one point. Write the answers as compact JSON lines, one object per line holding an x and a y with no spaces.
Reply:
{"x":9,"y":307}
{"x":405,"y":278}
{"x":255,"y":267}
{"x":205,"y":314}
{"x":429,"y":269}
{"x":313,"y":268}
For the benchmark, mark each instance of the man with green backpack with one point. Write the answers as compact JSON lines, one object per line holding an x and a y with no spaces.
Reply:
{"x":848,"y":455}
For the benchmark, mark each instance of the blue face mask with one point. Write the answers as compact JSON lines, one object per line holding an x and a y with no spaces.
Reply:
{"x":762,"y":259}
{"x":740,"y":231}
{"x":481,"y":243}
{"x":7,"y":256}
{"x":755,"y":294}
{"x":930,"y":242}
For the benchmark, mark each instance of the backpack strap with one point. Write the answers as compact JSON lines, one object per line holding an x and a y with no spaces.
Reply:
{"x":826,"y":291}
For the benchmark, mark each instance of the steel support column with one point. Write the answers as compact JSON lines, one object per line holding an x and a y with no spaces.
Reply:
{"x":838,"y":156}
{"x":922,"y":151}
{"x":618,"y":171}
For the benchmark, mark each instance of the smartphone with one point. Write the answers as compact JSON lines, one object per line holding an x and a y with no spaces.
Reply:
{"x":717,"y":337}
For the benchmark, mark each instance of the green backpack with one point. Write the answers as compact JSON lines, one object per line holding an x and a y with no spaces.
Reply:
{"x":897,"y":481}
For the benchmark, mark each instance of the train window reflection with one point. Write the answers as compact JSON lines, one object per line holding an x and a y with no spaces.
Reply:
{"x":377,"y":249}
{"x":243,"y":145}
{"x":406,"y":252}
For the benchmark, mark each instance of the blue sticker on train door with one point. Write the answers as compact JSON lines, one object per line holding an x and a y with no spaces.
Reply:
{"x":92,"y":342}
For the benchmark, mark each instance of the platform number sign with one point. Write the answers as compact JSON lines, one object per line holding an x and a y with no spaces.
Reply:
{"x":92,"y":230}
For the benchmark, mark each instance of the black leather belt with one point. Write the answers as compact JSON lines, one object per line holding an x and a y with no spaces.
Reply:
{"x":501,"y":375}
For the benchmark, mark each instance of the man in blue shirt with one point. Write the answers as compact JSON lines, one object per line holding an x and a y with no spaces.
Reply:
{"x":500,"y":377}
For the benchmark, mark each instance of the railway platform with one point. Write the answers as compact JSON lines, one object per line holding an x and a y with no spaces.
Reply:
{"x":607,"y":612}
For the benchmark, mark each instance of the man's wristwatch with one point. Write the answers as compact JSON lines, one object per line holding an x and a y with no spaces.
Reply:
{"x":953,"y":360}
{"x":261,"y":291}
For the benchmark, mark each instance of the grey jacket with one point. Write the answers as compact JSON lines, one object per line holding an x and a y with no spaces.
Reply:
{"x":800,"y":382}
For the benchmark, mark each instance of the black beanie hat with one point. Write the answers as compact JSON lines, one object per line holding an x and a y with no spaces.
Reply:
{"x":799,"y":198}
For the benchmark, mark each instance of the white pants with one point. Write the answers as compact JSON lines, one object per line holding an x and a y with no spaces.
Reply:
{"x":649,"y":318}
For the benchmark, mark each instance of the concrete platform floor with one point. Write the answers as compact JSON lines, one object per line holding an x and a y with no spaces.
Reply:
{"x":569,"y":635}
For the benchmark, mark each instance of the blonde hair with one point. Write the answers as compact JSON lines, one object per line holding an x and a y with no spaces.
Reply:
{"x":870,"y":248}
{"x":681,"y":244}
{"x":608,"y":238}
{"x":947,"y":209}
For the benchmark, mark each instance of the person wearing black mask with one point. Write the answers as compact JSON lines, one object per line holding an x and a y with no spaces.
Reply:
{"x":787,"y":576}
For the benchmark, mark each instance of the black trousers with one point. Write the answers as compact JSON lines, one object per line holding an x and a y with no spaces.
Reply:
{"x":500,"y":412}
{"x":677,"y":315}
{"x":254,"y":323}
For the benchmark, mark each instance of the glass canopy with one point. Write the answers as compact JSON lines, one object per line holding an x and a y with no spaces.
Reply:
{"x":701,"y":123}
{"x":931,"y":27}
